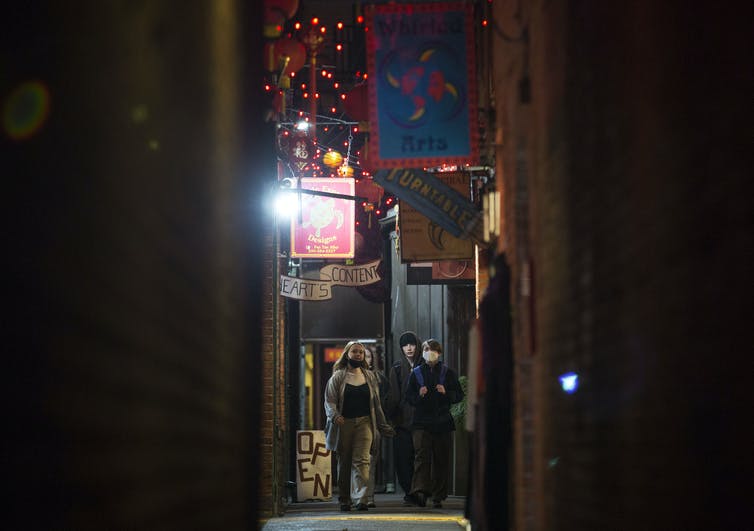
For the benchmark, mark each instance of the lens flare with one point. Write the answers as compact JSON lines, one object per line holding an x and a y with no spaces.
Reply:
{"x":26,"y":110}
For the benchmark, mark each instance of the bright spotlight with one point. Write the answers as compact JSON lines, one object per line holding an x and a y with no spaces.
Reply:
{"x":569,"y":382}
{"x":302,"y":125}
{"x":286,"y":204}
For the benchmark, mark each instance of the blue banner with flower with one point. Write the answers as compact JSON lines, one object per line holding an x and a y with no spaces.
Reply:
{"x":422,"y":85}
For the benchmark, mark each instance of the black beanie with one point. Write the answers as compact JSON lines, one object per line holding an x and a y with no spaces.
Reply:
{"x":408,"y":338}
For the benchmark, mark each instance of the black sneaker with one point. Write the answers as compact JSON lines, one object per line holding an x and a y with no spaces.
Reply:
{"x":437,"y":504}
{"x":421,"y":499}
{"x":362,"y":507}
{"x":408,"y":501}
{"x":371,"y":505}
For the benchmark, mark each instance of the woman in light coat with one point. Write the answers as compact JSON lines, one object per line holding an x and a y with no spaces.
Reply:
{"x":354,"y":416}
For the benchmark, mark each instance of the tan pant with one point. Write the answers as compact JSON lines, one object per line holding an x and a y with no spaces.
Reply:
{"x":353,"y":459}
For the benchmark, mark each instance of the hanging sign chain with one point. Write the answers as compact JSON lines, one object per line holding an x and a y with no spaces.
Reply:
{"x":348,"y":151}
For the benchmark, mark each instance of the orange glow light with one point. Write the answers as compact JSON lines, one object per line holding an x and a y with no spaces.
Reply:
{"x":340,"y":25}
{"x":359,"y":19}
{"x":315,"y":21}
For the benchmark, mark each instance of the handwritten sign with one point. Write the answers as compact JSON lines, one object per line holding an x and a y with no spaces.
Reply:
{"x":330,"y":275}
{"x":313,"y":466}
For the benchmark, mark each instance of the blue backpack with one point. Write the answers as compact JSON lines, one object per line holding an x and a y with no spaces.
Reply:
{"x":420,"y":377}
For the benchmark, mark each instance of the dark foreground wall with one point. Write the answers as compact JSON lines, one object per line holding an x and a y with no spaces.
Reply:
{"x":132,"y":316}
{"x":636,"y":139}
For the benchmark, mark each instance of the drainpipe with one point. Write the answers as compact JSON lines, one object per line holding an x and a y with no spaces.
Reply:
{"x":275,"y":350}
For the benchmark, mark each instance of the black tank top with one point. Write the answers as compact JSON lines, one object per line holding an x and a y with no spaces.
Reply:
{"x":356,"y":401}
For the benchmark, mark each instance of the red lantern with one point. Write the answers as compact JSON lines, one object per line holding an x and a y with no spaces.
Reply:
{"x":367,"y":188}
{"x":275,"y":14}
{"x":364,"y":161}
{"x":356,"y":103}
{"x":287,"y":7}
{"x":294,"y":51}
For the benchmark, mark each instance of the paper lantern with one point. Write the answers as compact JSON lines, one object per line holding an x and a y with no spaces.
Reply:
{"x":294,"y":51}
{"x":284,"y":55}
{"x":356,"y":103}
{"x":345,"y":171}
{"x":332,"y":159}
{"x":286,"y":7}
{"x":275,"y":14}
{"x":366,"y":187}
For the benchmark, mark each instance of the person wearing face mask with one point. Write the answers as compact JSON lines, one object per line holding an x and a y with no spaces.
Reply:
{"x":373,"y":359}
{"x":354,"y":416}
{"x":400,"y":413}
{"x":432,"y":388}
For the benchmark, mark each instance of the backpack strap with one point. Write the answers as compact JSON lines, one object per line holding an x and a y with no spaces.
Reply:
{"x":419,"y":376}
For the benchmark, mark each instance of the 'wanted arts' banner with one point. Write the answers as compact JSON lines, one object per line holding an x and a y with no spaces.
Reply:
{"x":422,"y":85}
{"x":331,"y":275}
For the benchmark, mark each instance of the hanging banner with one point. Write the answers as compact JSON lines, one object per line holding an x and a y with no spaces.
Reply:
{"x":422,"y":239}
{"x":331,"y":275}
{"x":422,"y":85}
{"x":325,"y":227}
{"x":313,"y":466}
{"x":435,"y":199}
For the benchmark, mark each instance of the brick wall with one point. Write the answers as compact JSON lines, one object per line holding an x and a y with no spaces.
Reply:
{"x":131,"y":374}
{"x":633,"y":144}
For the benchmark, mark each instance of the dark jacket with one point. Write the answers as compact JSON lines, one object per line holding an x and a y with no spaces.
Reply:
{"x":398,"y":411}
{"x":432,"y":412}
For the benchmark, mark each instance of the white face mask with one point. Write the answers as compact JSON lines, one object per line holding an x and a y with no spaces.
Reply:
{"x":431,"y":356}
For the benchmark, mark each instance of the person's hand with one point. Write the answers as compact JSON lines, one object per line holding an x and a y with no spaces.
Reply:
{"x":387,"y":431}
{"x":423,"y":390}
{"x":340,"y":420}
{"x":440,"y":388}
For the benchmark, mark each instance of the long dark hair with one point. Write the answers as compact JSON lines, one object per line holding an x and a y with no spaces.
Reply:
{"x":342,"y":363}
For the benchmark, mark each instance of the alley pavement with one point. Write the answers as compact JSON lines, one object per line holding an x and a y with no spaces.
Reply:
{"x":389,"y":515}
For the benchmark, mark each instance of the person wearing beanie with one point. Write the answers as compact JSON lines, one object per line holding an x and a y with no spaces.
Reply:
{"x":432,"y":389}
{"x":400,"y":413}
